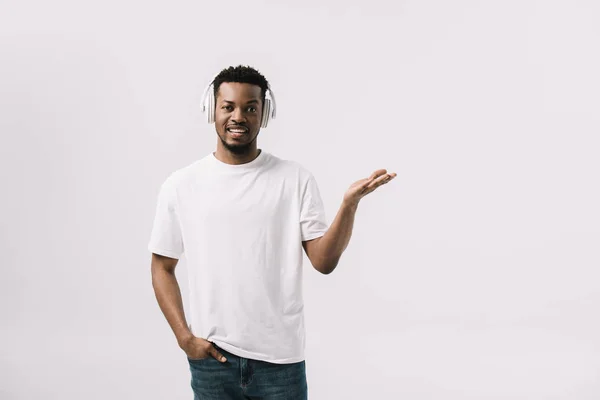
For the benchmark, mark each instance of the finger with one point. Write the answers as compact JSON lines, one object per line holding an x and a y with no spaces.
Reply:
{"x":366,"y":182}
{"x":373,"y":178}
{"x":377,"y":173}
{"x":385,"y":178}
{"x":214,"y":352}
{"x":375,"y":185}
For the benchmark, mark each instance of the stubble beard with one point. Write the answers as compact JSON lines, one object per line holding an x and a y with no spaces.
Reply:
{"x":240,"y":149}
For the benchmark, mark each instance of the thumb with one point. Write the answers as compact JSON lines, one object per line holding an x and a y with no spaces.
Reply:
{"x":217,"y":355}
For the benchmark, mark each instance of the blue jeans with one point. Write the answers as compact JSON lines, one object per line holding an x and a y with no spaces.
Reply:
{"x":241,"y":378}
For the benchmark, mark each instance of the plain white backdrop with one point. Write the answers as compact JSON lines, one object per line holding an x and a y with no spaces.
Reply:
{"x":475,"y":274}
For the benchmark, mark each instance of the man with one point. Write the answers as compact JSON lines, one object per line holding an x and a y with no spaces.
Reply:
{"x":242,"y":217}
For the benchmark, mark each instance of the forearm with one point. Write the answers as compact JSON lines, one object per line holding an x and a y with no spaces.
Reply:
{"x":169,"y":300}
{"x":337,"y":237}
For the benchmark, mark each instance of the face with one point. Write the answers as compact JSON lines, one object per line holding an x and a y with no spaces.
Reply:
{"x":238,"y":111}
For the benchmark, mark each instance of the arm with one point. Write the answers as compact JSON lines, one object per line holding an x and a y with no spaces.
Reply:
{"x":168,"y":295}
{"x":324,"y":253}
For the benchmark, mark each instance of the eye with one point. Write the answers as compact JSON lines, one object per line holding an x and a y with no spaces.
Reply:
{"x":252,"y":109}
{"x":226,"y":107}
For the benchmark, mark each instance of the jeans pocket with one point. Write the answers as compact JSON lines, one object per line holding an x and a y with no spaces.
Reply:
{"x":196,"y":360}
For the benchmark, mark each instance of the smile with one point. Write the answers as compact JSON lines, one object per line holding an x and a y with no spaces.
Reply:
{"x":237,"y":130}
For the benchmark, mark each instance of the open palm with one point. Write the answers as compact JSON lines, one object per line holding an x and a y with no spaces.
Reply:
{"x":362,"y":187}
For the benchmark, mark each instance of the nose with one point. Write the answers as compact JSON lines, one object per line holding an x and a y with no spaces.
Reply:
{"x":238,"y":115}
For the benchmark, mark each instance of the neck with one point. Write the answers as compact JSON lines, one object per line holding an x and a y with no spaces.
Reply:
{"x":228,"y":157}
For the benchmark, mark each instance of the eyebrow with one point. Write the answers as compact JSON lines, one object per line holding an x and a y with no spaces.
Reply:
{"x":250,"y":102}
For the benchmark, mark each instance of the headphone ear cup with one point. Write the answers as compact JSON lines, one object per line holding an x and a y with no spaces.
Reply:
{"x":206,"y":102}
{"x":266,"y":115}
{"x":211,"y":107}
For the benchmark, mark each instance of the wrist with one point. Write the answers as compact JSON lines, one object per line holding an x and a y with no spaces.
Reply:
{"x":185,"y":339}
{"x":351,"y":205}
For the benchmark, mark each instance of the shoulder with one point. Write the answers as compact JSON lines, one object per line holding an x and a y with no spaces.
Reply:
{"x":291,"y":167}
{"x":185,"y":174}
{"x":174,"y":184}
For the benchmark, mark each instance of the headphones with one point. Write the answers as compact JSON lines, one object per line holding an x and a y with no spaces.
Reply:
{"x":208,"y":105}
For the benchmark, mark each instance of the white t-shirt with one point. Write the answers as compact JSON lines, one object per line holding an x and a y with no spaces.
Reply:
{"x":241,"y":228}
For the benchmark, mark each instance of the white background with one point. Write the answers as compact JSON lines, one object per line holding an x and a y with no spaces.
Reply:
{"x":473,"y":275}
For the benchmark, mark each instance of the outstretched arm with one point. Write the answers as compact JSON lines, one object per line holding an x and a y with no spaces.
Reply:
{"x":324,"y":253}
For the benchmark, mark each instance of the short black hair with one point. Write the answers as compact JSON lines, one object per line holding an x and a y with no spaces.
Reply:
{"x":241,"y":74}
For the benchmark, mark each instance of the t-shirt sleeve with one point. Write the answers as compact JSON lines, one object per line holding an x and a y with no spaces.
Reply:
{"x":313,"y":222}
{"x":166,"y":238}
